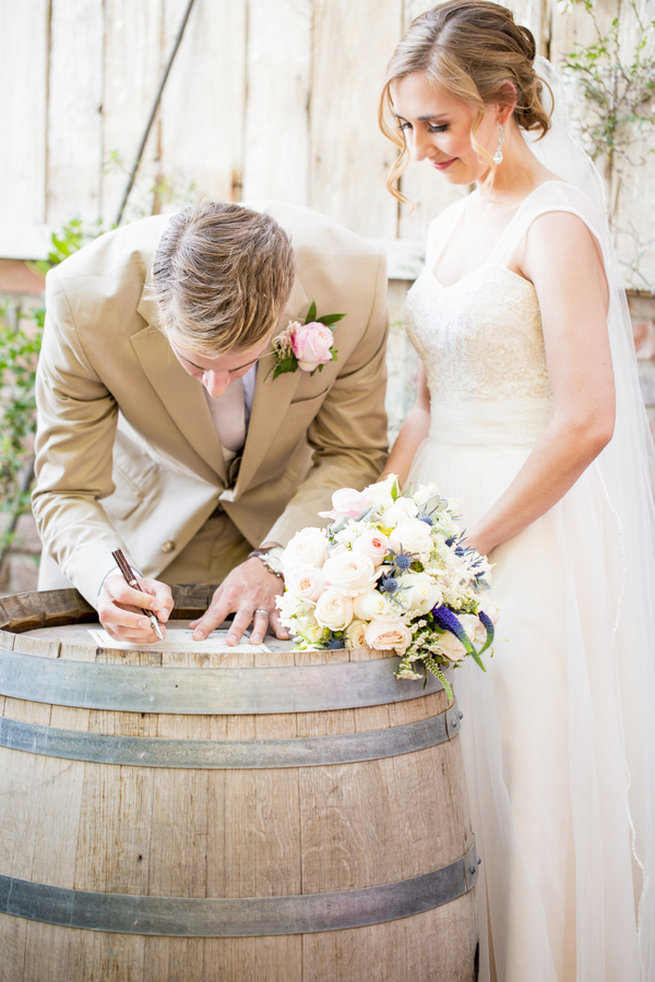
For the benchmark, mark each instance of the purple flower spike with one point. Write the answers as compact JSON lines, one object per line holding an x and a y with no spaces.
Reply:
{"x":446,"y":620}
{"x":487,"y":623}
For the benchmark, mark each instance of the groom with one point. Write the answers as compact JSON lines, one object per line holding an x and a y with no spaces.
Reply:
{"x":164,"y":428}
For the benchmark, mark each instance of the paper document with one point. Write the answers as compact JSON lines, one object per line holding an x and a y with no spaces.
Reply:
{"x":178,"y":639}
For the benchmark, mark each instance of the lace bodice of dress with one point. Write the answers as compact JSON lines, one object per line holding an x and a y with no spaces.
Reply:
{"x":479,"y":339}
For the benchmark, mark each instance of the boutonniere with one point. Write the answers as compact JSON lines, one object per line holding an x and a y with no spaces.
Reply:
{"x":306,"y":346}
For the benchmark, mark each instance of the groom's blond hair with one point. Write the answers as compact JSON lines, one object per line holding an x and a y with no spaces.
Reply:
{"x":222,"y":274}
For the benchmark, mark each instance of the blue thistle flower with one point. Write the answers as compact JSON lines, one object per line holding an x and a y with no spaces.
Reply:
{"x":388,"y":584}
{"x":335,"y":643}
{"x":401,"y":560}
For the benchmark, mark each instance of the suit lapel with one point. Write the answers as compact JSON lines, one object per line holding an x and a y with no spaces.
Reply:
{"x":272,"y":396}
{"x":185,"y":402}
{"x":181,"y":396}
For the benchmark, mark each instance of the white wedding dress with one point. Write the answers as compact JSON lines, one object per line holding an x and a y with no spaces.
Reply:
{"x":553,"y":732}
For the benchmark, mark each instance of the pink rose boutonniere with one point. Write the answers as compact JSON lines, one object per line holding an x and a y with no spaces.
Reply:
{"x":306,"y":346}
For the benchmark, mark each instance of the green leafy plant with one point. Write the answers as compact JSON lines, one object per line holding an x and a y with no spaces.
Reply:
{"x":614,"y":83}
{"x":19,"y":350}
{"x":618,"y":86}
{"x":20,"y":344}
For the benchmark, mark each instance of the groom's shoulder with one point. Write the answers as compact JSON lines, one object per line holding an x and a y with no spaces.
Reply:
{"x":313,"y":232}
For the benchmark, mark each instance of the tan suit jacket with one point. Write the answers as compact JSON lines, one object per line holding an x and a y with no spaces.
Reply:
{"x":127,"y":453}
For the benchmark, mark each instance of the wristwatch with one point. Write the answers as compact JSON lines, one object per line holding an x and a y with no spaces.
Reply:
{"x":271,"y":557}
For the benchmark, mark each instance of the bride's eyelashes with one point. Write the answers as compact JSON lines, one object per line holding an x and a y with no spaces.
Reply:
{"x":431,"y":127}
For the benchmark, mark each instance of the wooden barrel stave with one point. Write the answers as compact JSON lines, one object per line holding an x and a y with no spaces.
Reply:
{"x":240,"y":833}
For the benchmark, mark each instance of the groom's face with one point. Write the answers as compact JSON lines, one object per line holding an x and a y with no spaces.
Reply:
{"x":218,"y":372}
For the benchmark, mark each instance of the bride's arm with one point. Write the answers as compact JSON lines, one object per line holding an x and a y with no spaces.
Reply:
{"x":561,"y":259}
{"x":412,"y":433}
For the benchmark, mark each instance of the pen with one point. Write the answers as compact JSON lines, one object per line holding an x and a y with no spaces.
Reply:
{"x":131,"y":580}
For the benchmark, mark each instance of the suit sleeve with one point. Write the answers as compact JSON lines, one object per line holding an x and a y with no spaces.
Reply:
{"x":349,"y":434}
{"x":76,"y":426}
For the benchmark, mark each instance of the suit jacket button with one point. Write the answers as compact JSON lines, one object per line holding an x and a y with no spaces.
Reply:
{"x":168,"y":546}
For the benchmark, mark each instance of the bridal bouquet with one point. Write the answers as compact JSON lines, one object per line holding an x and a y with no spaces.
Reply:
{"x":391,"y":573}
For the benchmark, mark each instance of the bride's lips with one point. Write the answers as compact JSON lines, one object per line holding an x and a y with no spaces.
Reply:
{"x":443,"y":164}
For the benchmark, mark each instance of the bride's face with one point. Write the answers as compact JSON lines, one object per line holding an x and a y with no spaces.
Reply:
{"x":437,"y":127}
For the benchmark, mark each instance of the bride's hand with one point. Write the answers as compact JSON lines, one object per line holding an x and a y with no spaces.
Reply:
{"x":476,"y":539}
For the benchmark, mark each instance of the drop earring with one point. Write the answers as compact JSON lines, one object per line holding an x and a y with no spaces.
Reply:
{"x":498,"y":156}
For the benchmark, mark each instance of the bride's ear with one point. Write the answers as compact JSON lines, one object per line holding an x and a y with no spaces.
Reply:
{"x":506,"y":102}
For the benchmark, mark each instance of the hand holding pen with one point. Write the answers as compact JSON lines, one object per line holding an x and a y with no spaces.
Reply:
{"x":121,"y":615}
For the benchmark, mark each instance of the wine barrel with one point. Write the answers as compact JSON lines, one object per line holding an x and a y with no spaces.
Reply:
{"x":226,"y":815}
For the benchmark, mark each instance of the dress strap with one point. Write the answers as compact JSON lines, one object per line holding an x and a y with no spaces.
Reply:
{"x":547,"y":197}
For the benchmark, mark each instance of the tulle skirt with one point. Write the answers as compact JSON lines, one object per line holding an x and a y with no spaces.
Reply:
{"x":554,"y":732}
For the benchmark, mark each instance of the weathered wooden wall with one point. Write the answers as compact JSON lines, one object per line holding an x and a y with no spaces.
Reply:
{"x":266,"y":98}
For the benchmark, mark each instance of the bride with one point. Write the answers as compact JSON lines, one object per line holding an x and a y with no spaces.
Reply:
{"x":529,"y":411}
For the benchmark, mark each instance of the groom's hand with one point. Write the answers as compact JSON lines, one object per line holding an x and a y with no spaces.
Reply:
{"x":248,"y":592}
{"x":120,"y":608}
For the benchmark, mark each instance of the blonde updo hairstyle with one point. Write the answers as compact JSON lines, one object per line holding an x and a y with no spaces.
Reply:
{"x":472,"y":48}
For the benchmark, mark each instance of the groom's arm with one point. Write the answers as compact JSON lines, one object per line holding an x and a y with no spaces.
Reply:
{"x":348,"y":437}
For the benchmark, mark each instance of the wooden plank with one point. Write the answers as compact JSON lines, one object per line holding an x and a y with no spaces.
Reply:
{"x":350,"y":158}
{"x":204,"y":101}
{"x":74,"y":132}
{"x":23,"y":84}
{"x":632,"y":187}
{"x":279,"y":54}
{"x":133,"y":63}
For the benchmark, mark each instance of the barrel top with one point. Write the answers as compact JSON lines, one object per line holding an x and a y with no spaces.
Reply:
{"x":61,"y":624}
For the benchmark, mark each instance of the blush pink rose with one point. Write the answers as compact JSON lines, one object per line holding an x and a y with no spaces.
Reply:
{"x":312,"y":345}
{"x":388,"y":633}
{"x":451,"y":647}
{"x":347,"y":503}
{"x":307,"y":583}
{"x":373,"y":544}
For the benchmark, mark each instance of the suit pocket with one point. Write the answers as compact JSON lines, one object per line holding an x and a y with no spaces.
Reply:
{"x":134,"y":476}
{"x":304,"y":401}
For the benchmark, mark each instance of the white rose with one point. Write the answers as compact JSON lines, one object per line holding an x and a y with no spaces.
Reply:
{"x":388,"y":633}
{"x":356,"y":634}
{"x":380,"y":494}
{"x":352,"y":572}
{"x":369,"y":605}
{"x":451,"y":646}
{"x":310,"y":631}
{"x":400,"y":511}
{"x":307,"y":548}
{"x":307,"y":582}
{"x":424,"y":492}
{"x":417,"y":592}
{"x":334,"y":609}
{"x":411,"y":535}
